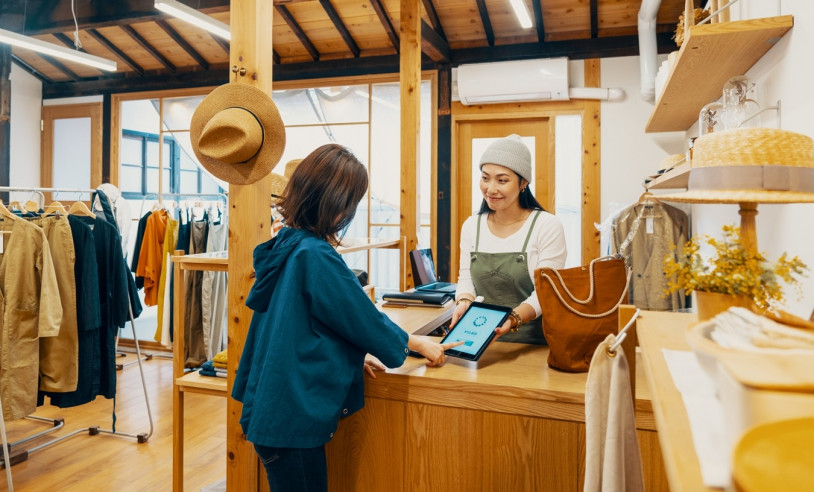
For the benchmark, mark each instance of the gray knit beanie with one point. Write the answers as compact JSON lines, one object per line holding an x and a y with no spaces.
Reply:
{"x":509,"y":152}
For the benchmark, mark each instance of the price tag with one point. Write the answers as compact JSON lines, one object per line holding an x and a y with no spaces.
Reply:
{"x":648,"y":225}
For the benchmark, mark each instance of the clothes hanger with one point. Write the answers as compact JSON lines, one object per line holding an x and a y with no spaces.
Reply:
{"x":6,"y":212}
{"x":31,"y":206}
{"x":15,"y":205}
{"x":55,"y":208}
{"x":79,"y":208}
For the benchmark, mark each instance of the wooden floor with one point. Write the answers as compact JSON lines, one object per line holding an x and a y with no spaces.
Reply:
{"x":106,"y":462}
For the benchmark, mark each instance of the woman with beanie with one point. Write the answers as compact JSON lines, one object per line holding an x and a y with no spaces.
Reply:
{"x":301,"y":368}
{"x":509,"y":238}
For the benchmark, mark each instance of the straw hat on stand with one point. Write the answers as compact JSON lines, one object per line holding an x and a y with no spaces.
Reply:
{"x":758,"y":165}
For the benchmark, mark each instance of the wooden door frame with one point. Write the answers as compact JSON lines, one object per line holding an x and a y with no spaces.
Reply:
{"x":591,"y":199}
{"x":51,"y":113}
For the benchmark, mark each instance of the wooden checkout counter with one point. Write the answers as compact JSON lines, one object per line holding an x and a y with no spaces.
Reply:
{"x":507,"y":422}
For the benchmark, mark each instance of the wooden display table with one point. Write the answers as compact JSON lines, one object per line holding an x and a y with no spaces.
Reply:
{"x":658,"y":331}
{"x":507,"y":422}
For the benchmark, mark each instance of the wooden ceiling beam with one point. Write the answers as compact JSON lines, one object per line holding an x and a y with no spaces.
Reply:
{"x":224,"y":45}
{"x":432,"y":45}
{"x":538,"y":20}
{"x":578,"y":49}
{"x":487,"y":24}
{"x":49,"y":16}
{"x":297,"y":30}
{"x":59,"y":66}
{"x":434,"y":20}
{"x":64,"y":39}
{"x":139,"y":39}
{"x":28,"y":68}
{"x":594,"y":19}
{"x":180,"y":41}
{"x":340,"y":26}
{"x":386,"y":23}
{"x":275,"y":56}
{"x":115,"y":50}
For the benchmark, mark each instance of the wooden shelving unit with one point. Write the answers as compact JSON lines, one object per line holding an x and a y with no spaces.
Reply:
{"x":708,"y":58}
{"x":674,"y":178}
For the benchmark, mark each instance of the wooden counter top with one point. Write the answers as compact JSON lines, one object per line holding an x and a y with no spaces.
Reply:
{"x":510,"y":378}
{"x":658,"y":331}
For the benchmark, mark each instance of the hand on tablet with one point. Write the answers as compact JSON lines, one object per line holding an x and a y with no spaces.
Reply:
{"x":434,"y":352}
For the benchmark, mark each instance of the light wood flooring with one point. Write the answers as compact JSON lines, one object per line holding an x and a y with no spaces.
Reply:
{"x":106,"y":462}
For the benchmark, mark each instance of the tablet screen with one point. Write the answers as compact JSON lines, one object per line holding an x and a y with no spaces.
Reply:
{"x":476,"y":328}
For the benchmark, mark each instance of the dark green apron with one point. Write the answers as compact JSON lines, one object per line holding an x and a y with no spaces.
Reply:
{"x":503,"y":279}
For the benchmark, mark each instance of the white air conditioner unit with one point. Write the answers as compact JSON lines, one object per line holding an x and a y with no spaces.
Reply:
{"x":545,"y":79}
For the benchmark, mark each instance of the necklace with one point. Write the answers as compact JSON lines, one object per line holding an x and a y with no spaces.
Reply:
{"x":505,"y":224}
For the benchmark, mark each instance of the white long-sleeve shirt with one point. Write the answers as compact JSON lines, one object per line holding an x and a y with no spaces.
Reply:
{"x":546,"y":248}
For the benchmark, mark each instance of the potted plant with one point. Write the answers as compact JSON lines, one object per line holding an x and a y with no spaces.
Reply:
{"x":735,"y":276}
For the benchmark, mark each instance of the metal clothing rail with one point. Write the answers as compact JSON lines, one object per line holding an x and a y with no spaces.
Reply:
{"x":141,"y":437}
{"x":160,"y":197}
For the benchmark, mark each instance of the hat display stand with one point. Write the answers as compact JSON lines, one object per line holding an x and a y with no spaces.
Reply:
{"x":747,"y":167}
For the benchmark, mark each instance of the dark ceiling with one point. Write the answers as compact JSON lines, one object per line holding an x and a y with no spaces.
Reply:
{"x":314,"y":38}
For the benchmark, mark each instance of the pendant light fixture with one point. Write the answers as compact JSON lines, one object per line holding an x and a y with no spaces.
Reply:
{"x":188,"y":14}
{"x":40,"y":46}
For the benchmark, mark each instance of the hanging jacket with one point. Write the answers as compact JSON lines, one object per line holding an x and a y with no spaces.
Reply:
{"x":31,"y":308}
{"x":302,"y":363}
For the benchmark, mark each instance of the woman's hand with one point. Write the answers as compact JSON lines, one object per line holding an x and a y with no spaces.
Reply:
{"x":373,"y":364}
{"x":434,"y":352}
{"x":460,"y":308}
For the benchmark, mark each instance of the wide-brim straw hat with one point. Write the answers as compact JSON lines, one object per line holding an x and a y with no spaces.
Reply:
{"x":278,"y":184}
{"x":237,"y":133}
{"x":290,"y":166}
{"x":759,"y":165}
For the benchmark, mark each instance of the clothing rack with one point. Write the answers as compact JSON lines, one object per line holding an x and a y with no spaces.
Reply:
{"x":141,"y":437}
{"x":160,"y":197}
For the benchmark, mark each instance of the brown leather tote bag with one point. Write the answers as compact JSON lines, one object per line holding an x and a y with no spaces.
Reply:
{"x":580,"y":309}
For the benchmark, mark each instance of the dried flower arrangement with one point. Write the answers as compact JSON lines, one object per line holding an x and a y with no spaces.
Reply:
{"x":698,"y":15}
{"x":734,"y":270}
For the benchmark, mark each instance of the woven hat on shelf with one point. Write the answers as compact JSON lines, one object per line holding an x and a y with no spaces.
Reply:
{"x":278,"y":184}
{"x":759,"y":165}
{"x":237,"y":133}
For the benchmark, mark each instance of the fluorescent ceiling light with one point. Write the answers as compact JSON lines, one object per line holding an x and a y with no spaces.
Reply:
{"x":194,"y":17}
{"x":65,"y":53}
{"x":522,"y":13}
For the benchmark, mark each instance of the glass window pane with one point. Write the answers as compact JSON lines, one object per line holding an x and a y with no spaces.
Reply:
{"x":425,"y":197}
{"x":131,"y":151}
{"x":322,"y":105}
{"x":189,"y":182}
{"x":178,"y":112}
{"x":384,"y":263}
{"x":71,"y":153}
{"x":130,"y":179}
{"x":568,"y":177}
{"x":140,"y":116}
{"x":385,"y":158}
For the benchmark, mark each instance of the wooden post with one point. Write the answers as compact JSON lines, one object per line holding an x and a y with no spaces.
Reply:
{"x":591,"y":156}
{"x":629,"y":345}
{"x":250,"y":62}
{"x":689,"y":17}
{"x":410,"y":83}
{"x":748,"y":213}
{"x":5,"y":118}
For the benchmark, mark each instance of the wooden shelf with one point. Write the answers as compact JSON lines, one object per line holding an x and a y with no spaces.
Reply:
{"x":711,"y":55}
{"x":196,"y":383}
{"x":674,"y":178}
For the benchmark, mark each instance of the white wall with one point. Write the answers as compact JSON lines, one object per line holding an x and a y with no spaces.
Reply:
{"x":26,"y":101}
{"x":785,"y":73}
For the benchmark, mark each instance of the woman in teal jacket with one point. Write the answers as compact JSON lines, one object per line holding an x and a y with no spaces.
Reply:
{"x":302,"y":366}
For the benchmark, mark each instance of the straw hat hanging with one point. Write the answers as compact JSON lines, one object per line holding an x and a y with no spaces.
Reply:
{"x":237,"y":133}
{"x":760,"y":165}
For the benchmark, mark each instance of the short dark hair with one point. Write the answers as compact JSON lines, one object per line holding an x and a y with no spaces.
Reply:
{"x":526,"y":200}
{"x":323,"y":192}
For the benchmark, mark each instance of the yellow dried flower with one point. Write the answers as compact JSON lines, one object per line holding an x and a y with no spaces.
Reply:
{"x":733,"y":270}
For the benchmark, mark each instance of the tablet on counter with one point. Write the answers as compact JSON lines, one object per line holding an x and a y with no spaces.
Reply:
{"x":477,"y":329}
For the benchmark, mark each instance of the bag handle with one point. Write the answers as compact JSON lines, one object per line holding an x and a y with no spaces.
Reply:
{"x":591,"y":292}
